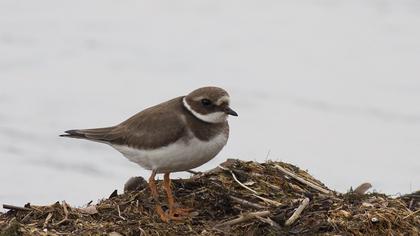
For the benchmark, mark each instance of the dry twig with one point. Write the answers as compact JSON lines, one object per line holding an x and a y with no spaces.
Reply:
{"x":294,"y":176}
{"x":27,"y":217}
{"x":297,"y":213}
{"x":237,"y":181}
{"x":11,"y":207}
{"x":246,"y":203}
{"x":269,"y":201}
{"x":142,"y":232}
{"x":255,"y":193}
{"x":412,"y":214}
{"x":269,"y":221}
{"x":47,"y":220}
{"x":243,"y":218}
{"x":66,"y":213}
{"x":119,"y":213}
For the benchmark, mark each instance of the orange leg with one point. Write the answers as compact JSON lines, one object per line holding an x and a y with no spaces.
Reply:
{"x":171,"y":202}
{"x":167,"y":187}
{"x":153,"y":190}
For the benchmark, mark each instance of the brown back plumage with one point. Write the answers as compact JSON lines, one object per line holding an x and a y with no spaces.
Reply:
{"x":143,"y":130}
{"x":153,"y":127}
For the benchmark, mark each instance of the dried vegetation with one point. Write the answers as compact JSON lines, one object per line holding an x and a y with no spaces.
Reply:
{"x":237,"y":198}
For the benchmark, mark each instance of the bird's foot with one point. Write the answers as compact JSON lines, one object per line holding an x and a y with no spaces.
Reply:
{"x":177,"y":214}
{"x":181,"y":211}
{"x":163,"y":216}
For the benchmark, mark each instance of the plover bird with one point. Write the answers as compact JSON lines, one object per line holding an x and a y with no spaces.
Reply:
{"x":176,"y":135}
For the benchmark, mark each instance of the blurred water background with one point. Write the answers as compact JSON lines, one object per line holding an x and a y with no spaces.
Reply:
{"x":331,"y":86}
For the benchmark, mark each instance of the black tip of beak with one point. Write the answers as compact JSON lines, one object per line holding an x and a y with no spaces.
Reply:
{"x":231,"y":112}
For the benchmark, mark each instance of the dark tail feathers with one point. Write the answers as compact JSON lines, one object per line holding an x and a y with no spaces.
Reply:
{"x":98,"y":135}
{"x":74,"y":133}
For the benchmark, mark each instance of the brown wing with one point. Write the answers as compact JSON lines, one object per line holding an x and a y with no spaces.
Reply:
{"x":154,"y":127}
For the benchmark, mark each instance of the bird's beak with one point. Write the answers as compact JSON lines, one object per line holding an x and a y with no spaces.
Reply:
{"x":231,"y":112}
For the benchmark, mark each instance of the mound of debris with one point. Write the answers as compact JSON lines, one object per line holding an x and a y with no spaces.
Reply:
{"x":238,"y":197}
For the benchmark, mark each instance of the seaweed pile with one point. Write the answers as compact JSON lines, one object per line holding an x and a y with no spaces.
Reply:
{"x":238,"y":197}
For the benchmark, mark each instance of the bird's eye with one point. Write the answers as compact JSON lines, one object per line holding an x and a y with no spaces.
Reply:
{"x":205,"y":102}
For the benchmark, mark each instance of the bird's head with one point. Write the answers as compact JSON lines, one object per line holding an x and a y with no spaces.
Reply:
{"x":209,"y":104}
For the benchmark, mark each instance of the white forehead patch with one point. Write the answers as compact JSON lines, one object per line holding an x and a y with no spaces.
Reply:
{"x":222,"y":100}
{"x":215,"y":117}
{"x":198,"y":98}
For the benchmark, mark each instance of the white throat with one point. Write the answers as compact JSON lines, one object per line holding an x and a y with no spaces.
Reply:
{"x":215,"y":117}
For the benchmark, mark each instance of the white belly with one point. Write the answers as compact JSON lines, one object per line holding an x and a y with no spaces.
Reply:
{"x":178,"y":156}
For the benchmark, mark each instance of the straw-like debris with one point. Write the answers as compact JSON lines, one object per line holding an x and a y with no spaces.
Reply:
{"x":238,"y":197}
